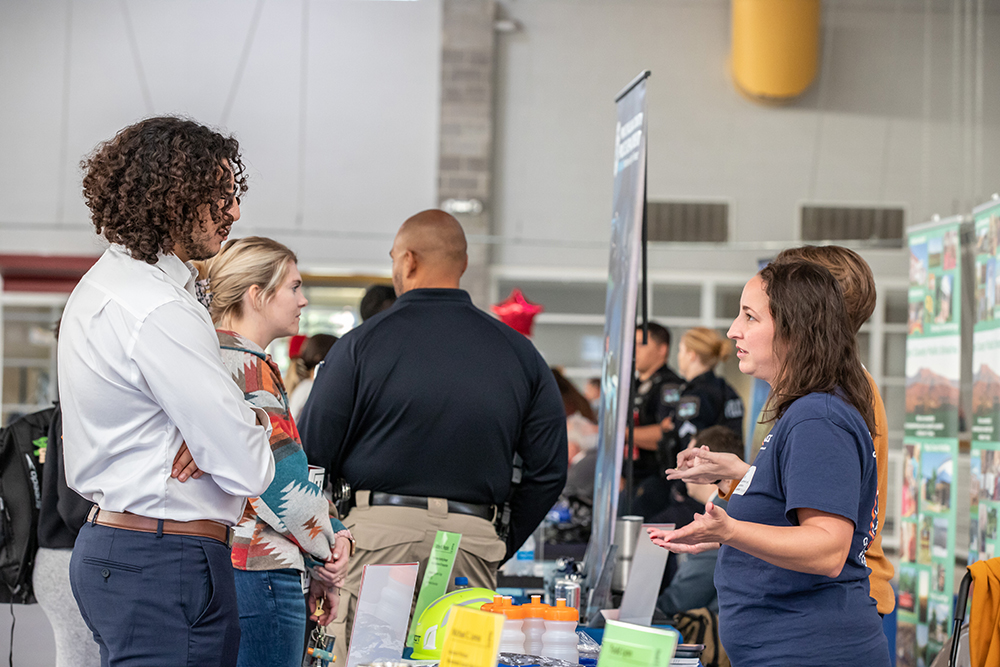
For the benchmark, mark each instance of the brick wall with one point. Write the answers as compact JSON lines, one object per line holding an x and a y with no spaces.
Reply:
{"x":465,"y":164}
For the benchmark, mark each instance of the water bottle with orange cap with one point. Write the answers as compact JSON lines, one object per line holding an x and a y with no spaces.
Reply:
{"x":560,"y":640}
{"x":496,"y":604}
{"x":512,"y":637}
{"x":534,"y":625}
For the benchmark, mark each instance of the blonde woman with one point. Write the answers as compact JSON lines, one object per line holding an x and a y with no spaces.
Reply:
{"x":255,"y":296}
{"x":705,"y":399}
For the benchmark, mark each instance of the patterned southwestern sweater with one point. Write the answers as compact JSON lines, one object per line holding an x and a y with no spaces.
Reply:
{"x":289,"y":526}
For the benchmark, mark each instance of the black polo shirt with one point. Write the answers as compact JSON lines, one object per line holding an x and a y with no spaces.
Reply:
{"x":709,"y":401}
{"x":655,"y":400}
{"x":433,"y":397}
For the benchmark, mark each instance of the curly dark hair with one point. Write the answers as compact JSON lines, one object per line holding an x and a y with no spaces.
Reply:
{"x":145,"y":186}
{"x":814,"y":339}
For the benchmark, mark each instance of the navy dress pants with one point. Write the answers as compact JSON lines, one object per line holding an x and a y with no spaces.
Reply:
{"x":156,"y":601}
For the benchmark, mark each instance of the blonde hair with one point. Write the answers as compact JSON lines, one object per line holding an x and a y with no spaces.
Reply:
{"x":241,"y":264}
{"x":710,"y":347}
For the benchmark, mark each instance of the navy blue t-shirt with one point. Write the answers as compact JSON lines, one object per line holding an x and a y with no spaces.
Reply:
{"x":819,"y":455}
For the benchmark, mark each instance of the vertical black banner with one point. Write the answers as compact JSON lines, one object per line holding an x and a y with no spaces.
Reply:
{"x":619,"y":311}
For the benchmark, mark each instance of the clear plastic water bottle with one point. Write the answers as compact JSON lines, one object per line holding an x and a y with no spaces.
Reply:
{"x":560,"y":640}
{"x":512,"y":637}
{"x":534,"y":625}
{"x":462,"y":582}
{"x":525,"y":557}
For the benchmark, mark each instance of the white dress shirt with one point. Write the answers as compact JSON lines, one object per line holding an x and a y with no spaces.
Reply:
{"x":140,"y":372}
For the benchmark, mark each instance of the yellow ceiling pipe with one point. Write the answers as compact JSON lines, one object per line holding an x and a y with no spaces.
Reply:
{"x":775,"y":47}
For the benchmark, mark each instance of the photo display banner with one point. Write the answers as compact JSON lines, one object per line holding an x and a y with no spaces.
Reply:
{"x":984,"y":458}
{"x":928,"y":508}
{"x":619,"y":316}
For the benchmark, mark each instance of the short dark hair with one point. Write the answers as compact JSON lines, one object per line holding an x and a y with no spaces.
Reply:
{"x":658,"y":333}
{"x":145,"y":187}
{"x":315,"y":348}
{"x":376,"y":299}
{"x":720,"y":439}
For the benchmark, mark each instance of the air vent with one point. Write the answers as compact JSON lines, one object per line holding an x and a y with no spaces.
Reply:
{"x":883,"y":226}
{"x":688,"y":222}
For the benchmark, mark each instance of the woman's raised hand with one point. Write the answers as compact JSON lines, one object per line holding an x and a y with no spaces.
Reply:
{"x":699,"y":465}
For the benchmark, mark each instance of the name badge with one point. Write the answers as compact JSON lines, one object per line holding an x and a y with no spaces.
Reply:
{"x":745,"y":482}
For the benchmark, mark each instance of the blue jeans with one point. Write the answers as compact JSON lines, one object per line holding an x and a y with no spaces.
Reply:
{"x":154,"y":601}
{"x":272,"y":618}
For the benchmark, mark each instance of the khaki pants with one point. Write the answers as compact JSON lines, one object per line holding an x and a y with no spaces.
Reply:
{"x":388,"y":535}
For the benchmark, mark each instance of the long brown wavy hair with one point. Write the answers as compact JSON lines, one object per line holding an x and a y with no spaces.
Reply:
{"x":814,"y":339}
{"x":145,"y":186}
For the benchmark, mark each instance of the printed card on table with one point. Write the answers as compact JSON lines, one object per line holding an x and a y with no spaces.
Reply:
{"x":628,"y":645}
{"x":472,"y":639}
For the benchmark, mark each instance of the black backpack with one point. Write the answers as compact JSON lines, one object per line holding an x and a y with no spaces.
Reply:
{"x":22,"y":447}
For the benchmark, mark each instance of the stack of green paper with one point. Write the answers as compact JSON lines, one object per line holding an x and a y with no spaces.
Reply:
{"x":627,"y":645}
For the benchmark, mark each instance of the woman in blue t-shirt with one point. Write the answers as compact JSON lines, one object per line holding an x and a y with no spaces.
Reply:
{"x":791,"y":574}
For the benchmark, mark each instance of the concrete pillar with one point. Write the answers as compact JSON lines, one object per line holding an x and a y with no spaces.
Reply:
{"x":465,"y":163}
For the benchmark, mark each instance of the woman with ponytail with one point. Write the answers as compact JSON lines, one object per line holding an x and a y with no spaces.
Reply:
{"x":706,"y":399}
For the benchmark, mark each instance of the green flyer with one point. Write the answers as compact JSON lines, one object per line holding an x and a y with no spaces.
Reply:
{"x":628,"y":645}
{"x":928,"y":507}
{"x":436,"y":577}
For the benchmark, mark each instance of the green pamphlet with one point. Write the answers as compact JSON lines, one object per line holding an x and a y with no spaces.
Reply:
{"x":436,"y":577}
{"x":627,"y":645}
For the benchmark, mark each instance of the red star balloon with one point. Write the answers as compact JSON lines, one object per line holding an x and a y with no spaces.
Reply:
{"x":517,"y":312}
{"x":295,"y":346}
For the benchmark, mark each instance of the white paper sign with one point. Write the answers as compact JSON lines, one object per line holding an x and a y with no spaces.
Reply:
{"x":639,"y":598}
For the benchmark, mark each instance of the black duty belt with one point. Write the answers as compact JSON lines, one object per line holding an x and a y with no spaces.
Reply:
{"x":419,"y":502}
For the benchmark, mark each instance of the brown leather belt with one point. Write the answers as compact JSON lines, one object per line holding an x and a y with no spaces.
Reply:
{"x":128,"y":521}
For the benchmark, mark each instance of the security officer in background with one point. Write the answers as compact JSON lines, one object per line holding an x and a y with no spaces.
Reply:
{"x":703,"y":400}
{"x":656,"y":400}
{"x":706,"y":399}
{"x":421,"y":410}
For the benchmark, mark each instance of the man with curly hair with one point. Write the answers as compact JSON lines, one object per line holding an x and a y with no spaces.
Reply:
{"x":141,"y":382}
